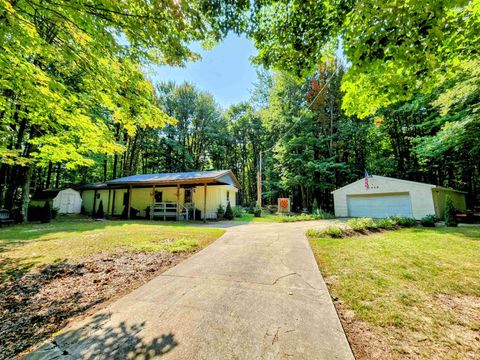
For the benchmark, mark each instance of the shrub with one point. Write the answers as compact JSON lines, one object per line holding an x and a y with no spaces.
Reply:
{"x":237,"y":211}
{"x":100,"y":212}
{"x":332,"y":231}
{"x":450,"y":217}
{"x":404,"y":221}
{"x":228,"y":212}
{"x":361,"y":224}
{"x":387,"y":224}
{"x":315,"y":208}
{"x":428,"y":221}
{"x":46,"y":215}
{"x":220,"y":212}
{"x":306,"y":217}
{"x":257,"y":211}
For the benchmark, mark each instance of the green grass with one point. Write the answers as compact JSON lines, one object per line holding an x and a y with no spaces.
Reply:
{"x":26,"y":246}
{"x":395,"y":281}
{"x":282,"y":218}
{"x":264,"y":218}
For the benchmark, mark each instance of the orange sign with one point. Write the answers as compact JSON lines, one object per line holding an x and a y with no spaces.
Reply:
{"x":283,"y":203}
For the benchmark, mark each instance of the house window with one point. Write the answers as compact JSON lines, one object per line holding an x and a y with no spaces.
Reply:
{"x":125,"y":198}
{"x":158,"y":196}
{"x":228,"y":196}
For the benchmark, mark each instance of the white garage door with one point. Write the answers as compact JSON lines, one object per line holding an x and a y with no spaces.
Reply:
{"x":380,"y":206}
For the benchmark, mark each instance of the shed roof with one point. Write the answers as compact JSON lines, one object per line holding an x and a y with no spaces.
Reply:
{"x":225,"y":177}
{"x":431,"y":186}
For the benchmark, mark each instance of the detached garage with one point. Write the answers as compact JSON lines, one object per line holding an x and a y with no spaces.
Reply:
{"x":380,"y":196}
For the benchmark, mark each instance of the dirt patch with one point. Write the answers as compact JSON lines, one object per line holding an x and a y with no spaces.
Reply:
{"x":43,"y":301}
{"x":459,"y":336}
{"x":365,"y":343}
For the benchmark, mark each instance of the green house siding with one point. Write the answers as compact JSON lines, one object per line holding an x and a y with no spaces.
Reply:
{"x":439,"y":197}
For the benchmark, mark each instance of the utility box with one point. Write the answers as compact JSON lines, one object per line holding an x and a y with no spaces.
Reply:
{"x":283,"y":205}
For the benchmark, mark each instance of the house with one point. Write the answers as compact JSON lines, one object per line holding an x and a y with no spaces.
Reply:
{"x":380,"y":196}
{"x":187,"y":195}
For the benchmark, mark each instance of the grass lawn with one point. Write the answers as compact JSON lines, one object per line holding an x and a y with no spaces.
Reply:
{"x":31,"y":245}
{"x":52,"y":273}
{"x":411,"y":293}
{"x":264,"y":218}
{"x":273,"y":218}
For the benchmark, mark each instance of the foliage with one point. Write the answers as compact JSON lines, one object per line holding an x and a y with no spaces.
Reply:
{"x":332,"y":231}
{"x":404,"y":221}
{"x":100,"y":213}
{"x":257,"y":211}
{"x":237,"y":212}
{"x":220,"y":212}
{"x":450,"y":213}
{"x":228,"y":212}
{"x":306,"y":217}
{"x":46,"y":213}
{"x":387,"y":224}
{"x":315,"y":208}
{"x":428,"y":221}
{"x":360,"y":224}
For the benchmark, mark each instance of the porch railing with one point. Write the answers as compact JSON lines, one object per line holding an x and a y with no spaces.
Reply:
{"x":168,"y":209}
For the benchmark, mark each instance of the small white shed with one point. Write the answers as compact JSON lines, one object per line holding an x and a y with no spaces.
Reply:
{"x":386,"y":196}
{"x":68,"y":201}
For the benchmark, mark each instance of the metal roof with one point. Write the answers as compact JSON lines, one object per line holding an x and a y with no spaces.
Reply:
{"x":218,"y":176}
{"x":437,"y":187}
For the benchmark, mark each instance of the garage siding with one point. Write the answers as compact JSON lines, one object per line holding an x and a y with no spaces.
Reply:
{"x":420,"y":194}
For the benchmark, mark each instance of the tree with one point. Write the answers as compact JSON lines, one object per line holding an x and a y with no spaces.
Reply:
{"x":228,"y":212}
{"x":71,"y":86}
{"x":450,"y":215}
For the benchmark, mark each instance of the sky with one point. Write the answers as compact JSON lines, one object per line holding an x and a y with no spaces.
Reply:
{"x":225,"y":71}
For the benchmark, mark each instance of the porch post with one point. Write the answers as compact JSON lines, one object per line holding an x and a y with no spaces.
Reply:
{"x":94,"y":203}
{"x":153,"y":202}
{"x":178,"y":202}
{"x":113,"y":203}
{"x":109,"y":197}
{"x":129,"y":201}
{"x":205,"y":203}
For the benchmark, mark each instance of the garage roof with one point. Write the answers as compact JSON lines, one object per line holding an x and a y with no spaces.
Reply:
{"x":431,"y":186}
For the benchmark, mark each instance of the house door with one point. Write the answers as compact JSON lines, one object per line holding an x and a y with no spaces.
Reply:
{"x":187,"y":196}
{"x":69,"y":203}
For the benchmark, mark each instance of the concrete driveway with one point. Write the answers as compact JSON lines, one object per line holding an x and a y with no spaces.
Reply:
{"x":256,"y":293}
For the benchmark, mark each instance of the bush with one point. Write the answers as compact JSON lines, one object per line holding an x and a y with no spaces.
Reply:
{"x":387,"y":224}
{"x":46,"y":215}
{"x":237,"y":212}
{"x":450,"y":217}
{"x":307,"y":217}
{"x":228,"y":212}
{"x":404,"y":221}
{"x":100,"y":212}
{"x":220,"y":212}
{"x":257,"y":211}
{"x":315,"y":209}
{"x":331,"y":231}
{"x":361,"y":224}
{"x":428,"y":221}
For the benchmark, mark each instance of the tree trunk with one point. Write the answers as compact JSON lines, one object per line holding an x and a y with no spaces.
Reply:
{"x":57,"y":178}
{"x":26,"y":194}
{"x":49,"y":175}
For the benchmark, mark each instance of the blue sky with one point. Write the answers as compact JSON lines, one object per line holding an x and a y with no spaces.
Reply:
{"x":225,"y":71}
